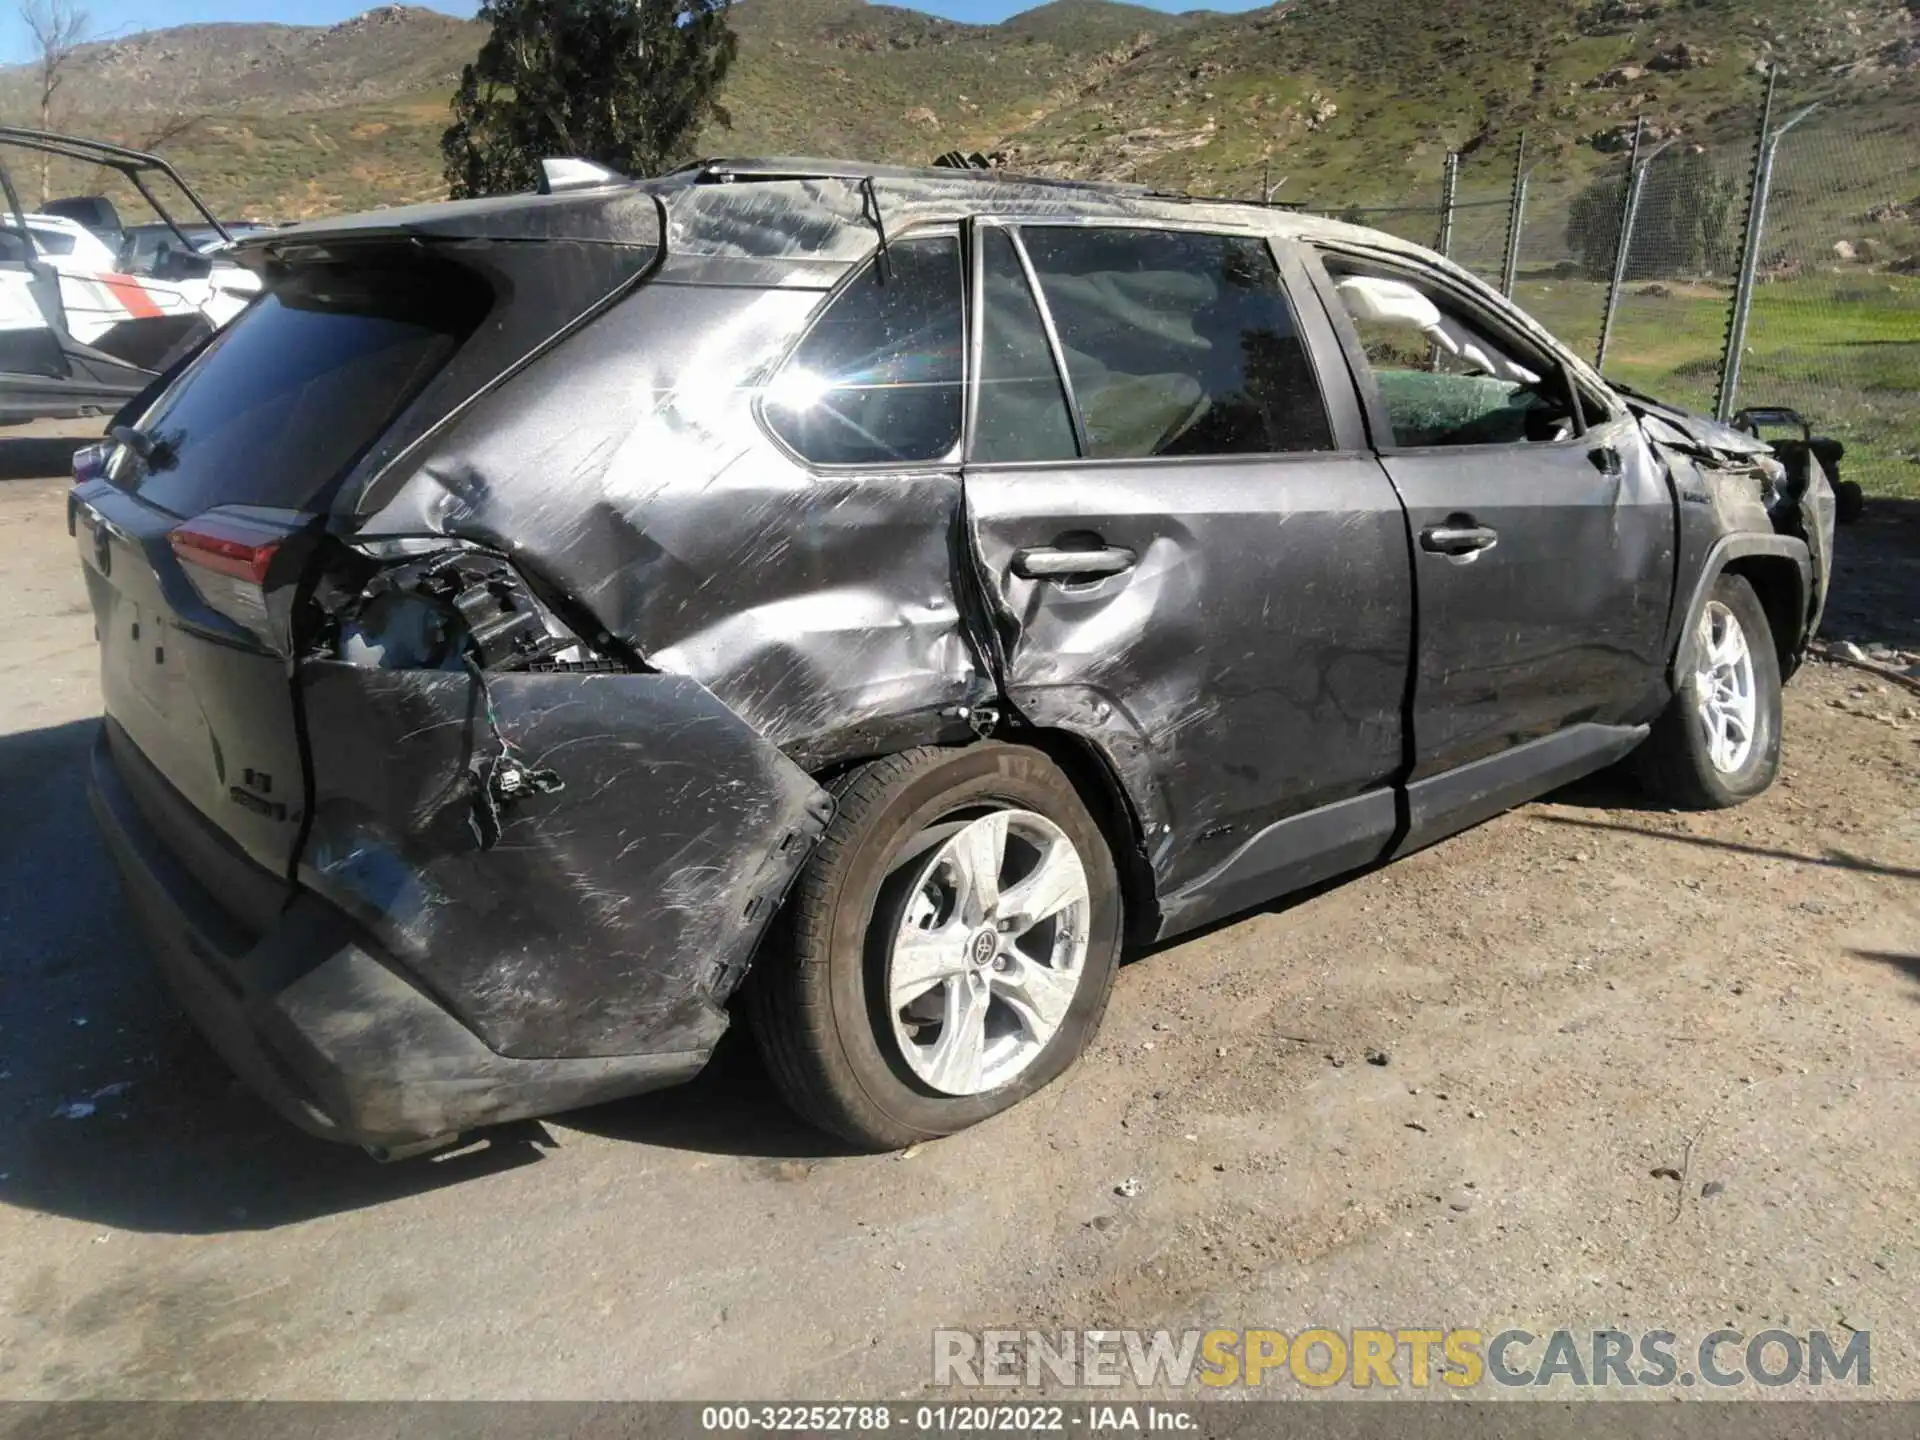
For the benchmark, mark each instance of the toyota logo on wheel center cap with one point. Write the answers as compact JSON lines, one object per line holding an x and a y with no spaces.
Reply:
{"x":982,"y":949}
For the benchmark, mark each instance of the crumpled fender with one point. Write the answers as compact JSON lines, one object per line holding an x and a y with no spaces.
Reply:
{"x":612,"y":917}
{"x":1724,"y":552}
{"x":1724,"y":518}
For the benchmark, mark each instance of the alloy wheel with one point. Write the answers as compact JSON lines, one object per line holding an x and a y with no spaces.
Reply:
{"x":1728,"y":694}
{"x":989,"y":950}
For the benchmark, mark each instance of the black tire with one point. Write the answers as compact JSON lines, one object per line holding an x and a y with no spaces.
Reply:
{"x":815,"y":1004}
{"x":1676,"y":764}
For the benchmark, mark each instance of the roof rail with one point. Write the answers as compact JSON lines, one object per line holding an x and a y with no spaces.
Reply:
{"x":741,"y":170}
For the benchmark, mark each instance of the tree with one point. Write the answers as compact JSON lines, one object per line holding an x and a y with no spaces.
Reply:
{"x":1684,"y":227}
{"x":59,"y":28}
{"x":626,"y":83}
{"x":172,"y":125}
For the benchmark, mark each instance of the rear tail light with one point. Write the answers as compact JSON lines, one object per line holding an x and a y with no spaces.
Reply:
{"x":90,"y":462}
{"x":227,"y":558}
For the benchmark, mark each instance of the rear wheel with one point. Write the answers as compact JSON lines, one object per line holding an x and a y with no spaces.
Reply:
{"x":1718,"y":743}
{"x":953,"y":943}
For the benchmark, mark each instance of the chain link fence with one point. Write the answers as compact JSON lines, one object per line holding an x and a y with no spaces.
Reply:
{"x":1641,"y":263}
{"x":1835,"y":329}
{"x":1674,"y":300}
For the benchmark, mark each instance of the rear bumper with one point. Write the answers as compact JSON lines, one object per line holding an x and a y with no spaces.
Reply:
{"x":304,"y":1008}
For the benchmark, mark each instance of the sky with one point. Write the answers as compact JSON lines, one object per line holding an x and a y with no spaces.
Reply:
{"x":123,"y":17}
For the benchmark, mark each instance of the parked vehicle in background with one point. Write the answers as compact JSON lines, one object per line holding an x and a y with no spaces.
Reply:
{"x":56,"y":238}
{"x":95,"y":213}
{"x":875,"y":595}
{"x":79,"y":333}
{"x":156,"y":249}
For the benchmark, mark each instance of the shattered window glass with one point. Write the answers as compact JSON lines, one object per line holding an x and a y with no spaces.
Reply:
{"x":1179,"y":344}
{"x":1023,"y":413}
{"x":880,"y":377}
{"x":1442,"y":379}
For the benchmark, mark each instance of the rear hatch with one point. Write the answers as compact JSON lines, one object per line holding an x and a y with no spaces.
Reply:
{"x":200,"y":533}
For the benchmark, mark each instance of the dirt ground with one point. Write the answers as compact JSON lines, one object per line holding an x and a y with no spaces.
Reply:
{"x":1568,"y":999}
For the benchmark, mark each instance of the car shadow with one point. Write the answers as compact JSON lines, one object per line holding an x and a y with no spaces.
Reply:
{"x":1907,"y":965}
{"x":39,"y":457}
{"x":1614,"y":788}
{"x":730,"y":1108}
{"x":114,"y":1111}
{"x":1830,"y":860}
{"x":1876,"y":577}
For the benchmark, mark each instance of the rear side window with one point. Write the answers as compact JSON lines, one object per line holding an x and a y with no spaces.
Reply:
{"x":1178,"y":344}
{"x":1023,"y":413}
{"x":879,"y":379}
{"x":278,"y":409}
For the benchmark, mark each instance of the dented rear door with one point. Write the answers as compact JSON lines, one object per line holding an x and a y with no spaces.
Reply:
{"x":1195,"y":563}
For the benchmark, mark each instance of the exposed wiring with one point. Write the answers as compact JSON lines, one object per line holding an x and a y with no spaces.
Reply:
{"x":502,"y":779}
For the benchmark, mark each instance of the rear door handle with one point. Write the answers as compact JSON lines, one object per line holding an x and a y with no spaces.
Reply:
{"x":1456,"y":541}
{"x":1053,"y":564}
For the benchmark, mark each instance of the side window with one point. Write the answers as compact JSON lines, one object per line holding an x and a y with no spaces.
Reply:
{"x":1023,"y":413}
{"x":878,"y":379}
{"x":1178,"y":344}
{"x":1442,"y":376}
{"x":53,"y":242}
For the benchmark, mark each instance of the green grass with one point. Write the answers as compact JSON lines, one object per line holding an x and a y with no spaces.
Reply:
{"x":1843,"y":349}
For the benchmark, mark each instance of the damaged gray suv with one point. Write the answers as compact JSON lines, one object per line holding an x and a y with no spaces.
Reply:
{"x":867,"y":600}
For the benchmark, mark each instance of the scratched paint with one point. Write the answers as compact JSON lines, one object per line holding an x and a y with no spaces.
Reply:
{"x":613,"y":916}
{"x":777,"y":623}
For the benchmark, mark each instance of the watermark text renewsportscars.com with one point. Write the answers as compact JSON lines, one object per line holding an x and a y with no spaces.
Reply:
{"x":1416,"y":1359}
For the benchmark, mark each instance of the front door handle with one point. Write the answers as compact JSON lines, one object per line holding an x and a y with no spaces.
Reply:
{"x":1055,"y":564}
{"x":1458,"y":541}
{"x":1607,"y":460}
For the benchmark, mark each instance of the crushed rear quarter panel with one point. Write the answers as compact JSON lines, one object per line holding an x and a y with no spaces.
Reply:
{"x":610,"y":918}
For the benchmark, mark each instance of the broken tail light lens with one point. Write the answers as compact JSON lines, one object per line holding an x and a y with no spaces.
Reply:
{"x":227,"y":558}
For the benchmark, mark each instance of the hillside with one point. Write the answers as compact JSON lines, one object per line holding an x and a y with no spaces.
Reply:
{"x":1351,"y":100}
{"x":293,"y":121}
{"x":841,"y":77}
{"x":1360,"y":99}
{"x":390,"y":53}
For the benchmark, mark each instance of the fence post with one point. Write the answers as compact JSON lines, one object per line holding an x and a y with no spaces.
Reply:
{"x":1623,"y":243}
{"x":1449,"y":197}
{"x":1750,"y":256}
{"x":1510,"y":275}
